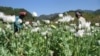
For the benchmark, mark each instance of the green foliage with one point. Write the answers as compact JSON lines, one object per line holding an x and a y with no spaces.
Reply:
{"x":59,"y":42}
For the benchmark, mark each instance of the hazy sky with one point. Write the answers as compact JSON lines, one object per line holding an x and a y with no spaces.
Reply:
{"x":51,"y":6}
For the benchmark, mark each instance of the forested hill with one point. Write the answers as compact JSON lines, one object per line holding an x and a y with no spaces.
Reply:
{"x":15,"y":11}
{"x":93,"y":16}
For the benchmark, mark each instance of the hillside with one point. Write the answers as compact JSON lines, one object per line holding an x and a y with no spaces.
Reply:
{"x":15,"y":11}
{"x":93,"y":16}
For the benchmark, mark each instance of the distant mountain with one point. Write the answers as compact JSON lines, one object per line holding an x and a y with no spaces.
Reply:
{"x":89,"y":11}
{"x":51,"y":16}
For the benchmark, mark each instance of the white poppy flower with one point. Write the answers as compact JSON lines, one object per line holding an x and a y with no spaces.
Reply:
{"x":87,"y":26}
{"x":46,"y":21}
{"x":27,"y":23}
{"x":1,"y":15}
{"x":72,"y":30}
{"x":80,"y":33}
{"x":35,"y":29}
{"x":44,"y":33}
{"x":67,"y":18}
{"x":8,"y":26}
{"x":34,"y":14}
{"x":9,"y":18}
{"x":97,"y":24}
{"x":35,"y":23}
{"x":72,"y":24}
{"x":38,"y":22}
{"x":60,"y":15}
